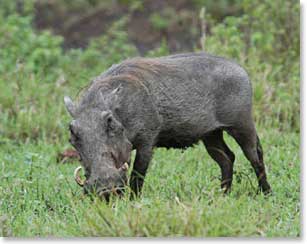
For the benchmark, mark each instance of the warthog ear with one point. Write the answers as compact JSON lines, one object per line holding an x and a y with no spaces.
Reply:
{"x":109,"y":121}
{"x":70,"y":106}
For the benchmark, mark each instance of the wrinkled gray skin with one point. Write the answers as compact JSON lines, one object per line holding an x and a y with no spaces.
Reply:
{"x":171,"y":101}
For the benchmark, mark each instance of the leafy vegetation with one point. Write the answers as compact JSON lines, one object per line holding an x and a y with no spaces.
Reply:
{"x":269,"y":50}
{"x":181,"y":195}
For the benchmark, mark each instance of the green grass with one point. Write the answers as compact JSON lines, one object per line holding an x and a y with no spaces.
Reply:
{"x":181,"y":195}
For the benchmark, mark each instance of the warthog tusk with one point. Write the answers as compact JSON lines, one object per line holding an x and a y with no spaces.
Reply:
{"x":125,"y":166}
{"x":77,"y":177}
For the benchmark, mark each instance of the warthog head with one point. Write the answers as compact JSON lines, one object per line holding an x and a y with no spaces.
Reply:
{"x":103,"y":146}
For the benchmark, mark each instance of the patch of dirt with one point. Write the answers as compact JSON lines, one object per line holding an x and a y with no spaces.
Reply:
{"x":68,"y":156}
{"x":77,"y":25}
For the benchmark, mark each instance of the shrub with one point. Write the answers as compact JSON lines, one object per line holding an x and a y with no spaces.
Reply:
{"x":35,"y":73}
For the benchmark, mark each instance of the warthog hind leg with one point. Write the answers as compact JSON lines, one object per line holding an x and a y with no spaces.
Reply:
{"x":220,"y":152}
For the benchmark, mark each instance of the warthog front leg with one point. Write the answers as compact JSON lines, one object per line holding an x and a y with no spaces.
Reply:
{"x":142,"y":159}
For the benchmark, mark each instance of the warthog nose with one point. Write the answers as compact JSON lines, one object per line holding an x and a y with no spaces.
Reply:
{"x":95,"y":188}
{"x":92,"y":190}
{"x":90,"y":186}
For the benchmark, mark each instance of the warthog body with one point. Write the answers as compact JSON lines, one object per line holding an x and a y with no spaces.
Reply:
{"x":171,"y":101}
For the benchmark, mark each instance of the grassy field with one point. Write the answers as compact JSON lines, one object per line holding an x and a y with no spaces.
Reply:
{"x":181,"y":195}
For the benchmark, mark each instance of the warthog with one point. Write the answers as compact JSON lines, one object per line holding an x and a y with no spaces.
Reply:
{"x":171,"y":102}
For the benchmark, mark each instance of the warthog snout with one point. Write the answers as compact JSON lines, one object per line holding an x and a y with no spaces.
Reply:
{"x":109,"y":181}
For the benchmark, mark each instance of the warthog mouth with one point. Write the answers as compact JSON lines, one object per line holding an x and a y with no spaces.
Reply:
{"x":103,"y":192}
